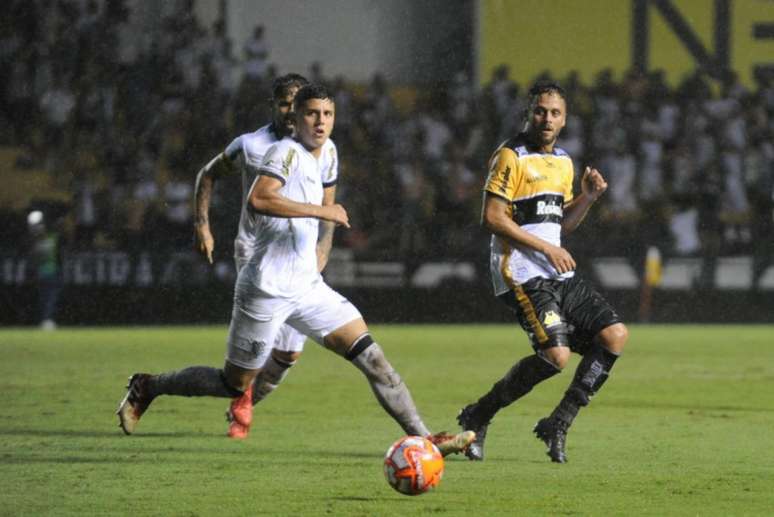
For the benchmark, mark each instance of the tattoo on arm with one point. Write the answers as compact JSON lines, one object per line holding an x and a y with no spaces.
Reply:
{"x":205,"y":180}
{"x":203,"y":194}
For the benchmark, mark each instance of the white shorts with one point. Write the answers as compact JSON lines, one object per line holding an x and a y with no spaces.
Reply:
{"x":288,"y":339}
{"x":257,"y":320}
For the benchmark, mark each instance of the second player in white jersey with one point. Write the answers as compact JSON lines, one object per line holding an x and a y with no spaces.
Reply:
{"x":245,"y":153}
{"x":244,"y":156}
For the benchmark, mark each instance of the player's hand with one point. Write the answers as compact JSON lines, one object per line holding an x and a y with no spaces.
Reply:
{"x":593,"y":184}
{"x":560,"y":258}
{"x":336,"y":214}
{"x":204,"y":241}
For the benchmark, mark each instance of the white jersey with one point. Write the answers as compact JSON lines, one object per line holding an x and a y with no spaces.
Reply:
{"x":246,"y":153}
{"x":283,"y":256}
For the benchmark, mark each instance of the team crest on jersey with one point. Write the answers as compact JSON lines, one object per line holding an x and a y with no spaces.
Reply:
{"x":551,"y":319}
{"x":287,"y":162}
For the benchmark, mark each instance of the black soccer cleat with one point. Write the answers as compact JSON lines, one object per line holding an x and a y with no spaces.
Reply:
{"x":134,"y":403}
{"x":554,"y":435}
{"x":468,"y":421}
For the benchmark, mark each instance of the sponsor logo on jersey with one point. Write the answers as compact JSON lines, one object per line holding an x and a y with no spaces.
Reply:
{"x":551,"y":319}
{"x":544,"y":208}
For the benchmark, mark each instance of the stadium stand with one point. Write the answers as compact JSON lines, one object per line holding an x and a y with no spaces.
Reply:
{"x":108,"y":129}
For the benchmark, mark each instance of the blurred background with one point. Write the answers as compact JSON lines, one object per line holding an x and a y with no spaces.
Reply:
{"x":109,"y":108}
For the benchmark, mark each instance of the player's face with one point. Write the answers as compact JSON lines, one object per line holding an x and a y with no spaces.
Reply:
{"x":546,"y":119}
{"x":282,"y":111}
{"x":314,"y":123}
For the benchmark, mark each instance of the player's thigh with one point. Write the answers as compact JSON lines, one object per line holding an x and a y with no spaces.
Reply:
{"x":589,"y":314}
{"x":537,"y":305}
{"x":324,"y":312}
{"x":255,"y":324}
{"x":289,"y":341}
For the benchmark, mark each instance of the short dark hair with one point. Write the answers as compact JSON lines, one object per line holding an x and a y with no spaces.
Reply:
{"x":312,"y":91}
{"x":546,"y":86}
{"x":282,"y":84}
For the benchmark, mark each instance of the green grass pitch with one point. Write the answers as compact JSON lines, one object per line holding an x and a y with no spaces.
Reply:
{"x":684,"y":426}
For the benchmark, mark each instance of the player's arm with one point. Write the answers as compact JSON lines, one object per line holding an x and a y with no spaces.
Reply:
{"x":496,"y":217}
{"x":205,"y":182}
{"x":325,"y":239}
{"x":593,"y":185}
{"x":265,"y":198}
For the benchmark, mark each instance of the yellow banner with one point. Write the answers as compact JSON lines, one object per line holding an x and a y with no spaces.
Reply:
{"x":532,"y":36}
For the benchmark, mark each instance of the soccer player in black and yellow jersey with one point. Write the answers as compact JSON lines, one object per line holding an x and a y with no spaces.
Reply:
{"x":528,"y":204}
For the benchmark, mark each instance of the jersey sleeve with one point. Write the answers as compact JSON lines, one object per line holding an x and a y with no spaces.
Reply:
{"x":232,"y":153}
{"x":504,"y":174}
{"x":253,"y":157}
{"x":331,"y":172}
{"x":279,"y":162}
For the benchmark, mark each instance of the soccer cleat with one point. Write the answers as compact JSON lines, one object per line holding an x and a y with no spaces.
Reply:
{"x":452,"y":443}
{"x":240,"y":415}
{"x":467,"y":420}
{"x":237,"y":430}
{"x":554,"y":435}
{"x":134,"y":403}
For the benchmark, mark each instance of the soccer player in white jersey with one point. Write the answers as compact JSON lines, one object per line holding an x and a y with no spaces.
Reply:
{"x":281,"y":283}
{"x":243,"y":156}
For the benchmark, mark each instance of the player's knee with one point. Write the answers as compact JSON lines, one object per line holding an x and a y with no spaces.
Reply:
{"x":369,"y":357}
{"x":285,"y":356}
{"x":360,"y":345}
{"x":614,"y":338}
{"x":556,"y":355}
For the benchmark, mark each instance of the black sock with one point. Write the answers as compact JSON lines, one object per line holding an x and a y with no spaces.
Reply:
{"x":519,"y":381}
{"x":591,"y":374}
{"x":194,"y":381}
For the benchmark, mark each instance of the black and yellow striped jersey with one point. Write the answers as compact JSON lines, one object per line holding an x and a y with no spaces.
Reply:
{"x":536,"y":187}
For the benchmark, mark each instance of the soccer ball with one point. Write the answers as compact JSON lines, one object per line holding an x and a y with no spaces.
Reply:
{"x":413,"y":465}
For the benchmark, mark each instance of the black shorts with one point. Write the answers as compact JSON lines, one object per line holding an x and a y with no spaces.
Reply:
{"x":560,"y":313}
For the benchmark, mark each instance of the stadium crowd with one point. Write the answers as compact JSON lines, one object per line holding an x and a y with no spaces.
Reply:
{"x":121,"y":119}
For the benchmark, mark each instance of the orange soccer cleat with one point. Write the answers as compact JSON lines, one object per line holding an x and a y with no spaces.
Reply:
{"x":240,"y":415}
